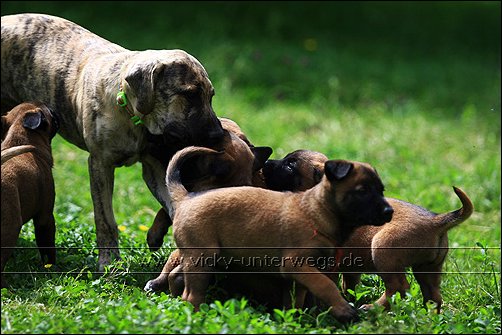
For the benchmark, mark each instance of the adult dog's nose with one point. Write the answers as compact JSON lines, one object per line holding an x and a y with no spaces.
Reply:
{"x":215,"y":135}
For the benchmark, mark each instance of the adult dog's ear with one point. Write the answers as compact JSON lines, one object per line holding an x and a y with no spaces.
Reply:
{"x":337,"y":169}
{"x":140,"y":80}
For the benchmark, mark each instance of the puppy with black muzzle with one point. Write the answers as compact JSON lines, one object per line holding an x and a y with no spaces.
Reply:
{"x":27,"y":182}
{"x":415,"y":237}
{"x":281,"y":227}
{"x":238,"y":164}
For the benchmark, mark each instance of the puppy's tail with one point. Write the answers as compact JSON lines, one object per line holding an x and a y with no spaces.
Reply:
{"x":449,"y":220}
{"x":15,"y":151}
{"x":177,"y":191}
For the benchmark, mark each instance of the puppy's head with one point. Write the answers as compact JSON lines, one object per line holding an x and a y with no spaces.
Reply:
{"x":236,"y":165}
{"x":233,"y":127}
{"x":356,"y":193}
{"x":297,"y":171}
{"x":31,"y":119}
{"x":172,"y":93}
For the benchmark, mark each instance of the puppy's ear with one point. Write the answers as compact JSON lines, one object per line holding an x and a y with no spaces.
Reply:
{"x":141,"y":81}
{"x":33,"y":120}
{"x":337,"y":169}
{"x":261,"y":154}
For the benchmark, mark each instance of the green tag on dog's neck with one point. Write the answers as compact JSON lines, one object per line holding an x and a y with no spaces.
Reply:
{"x":136,"y":120}
{"x":121,"y":99}
{"x":122,"y":102}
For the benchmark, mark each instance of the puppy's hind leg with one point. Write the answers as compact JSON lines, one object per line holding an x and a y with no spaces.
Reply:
{"x":197,"y":277}
{"x":429,"y":279}
{"x":45,"y":235}
{"x":176,"y":282}
{"x":395,"y":281}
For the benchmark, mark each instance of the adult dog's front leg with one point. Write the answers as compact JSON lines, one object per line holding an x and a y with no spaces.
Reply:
{"x":102,"y":176}
{"x":154,"y":175}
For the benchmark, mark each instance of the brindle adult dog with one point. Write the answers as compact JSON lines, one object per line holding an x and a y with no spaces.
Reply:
{"x":110,"y":101}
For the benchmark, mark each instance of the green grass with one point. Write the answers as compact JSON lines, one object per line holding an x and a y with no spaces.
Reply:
{"x":413,"y":89}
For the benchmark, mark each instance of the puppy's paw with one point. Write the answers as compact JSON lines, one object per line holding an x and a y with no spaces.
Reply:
{"x":366,"y":307}
{"x":346,"y":314}
{"x":150,"y":286}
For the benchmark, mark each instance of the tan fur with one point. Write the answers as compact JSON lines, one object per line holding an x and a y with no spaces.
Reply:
{"x":286,"y":225}
{"x":27,"y":182}
{"x":415,"y":238}
{"x":238,"y":165}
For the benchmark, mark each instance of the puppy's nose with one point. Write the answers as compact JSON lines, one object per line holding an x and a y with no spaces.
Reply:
{"x":387,"y":213}
{"x":270,"y":165}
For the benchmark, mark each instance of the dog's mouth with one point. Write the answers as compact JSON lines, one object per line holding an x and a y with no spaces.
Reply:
{"x":279,"y":178}
{"x":176,"y":135}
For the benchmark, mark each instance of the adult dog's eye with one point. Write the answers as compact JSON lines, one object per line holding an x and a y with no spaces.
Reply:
{"x":190,"y":93}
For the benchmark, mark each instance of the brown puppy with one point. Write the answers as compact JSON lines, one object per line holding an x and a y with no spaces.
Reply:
{"x":233,"y":127}
{"x":240,"y":164}
{"x":297,"y":171}
{"x":415,"y":237}
{"x":284,"y":229}
{"x":27,"y":182}
{"x":204,"y":169}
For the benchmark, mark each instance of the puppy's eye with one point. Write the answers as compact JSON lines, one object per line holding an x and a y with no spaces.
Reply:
{"x":360,"y":189}
{"x":290,"y":165}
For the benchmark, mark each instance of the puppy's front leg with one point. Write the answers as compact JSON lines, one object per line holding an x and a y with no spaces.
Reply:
{"x":101,"y":177}
{"x":159,"y":229}
{"x":324,"y":289}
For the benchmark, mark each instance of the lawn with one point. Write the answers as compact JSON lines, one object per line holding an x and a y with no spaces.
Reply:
{"x":412,"y":88}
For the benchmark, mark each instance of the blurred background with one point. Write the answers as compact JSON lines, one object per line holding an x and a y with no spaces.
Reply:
{"x":443,"y":55}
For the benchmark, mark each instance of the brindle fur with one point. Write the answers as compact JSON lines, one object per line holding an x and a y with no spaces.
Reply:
{"x":78,"y":75}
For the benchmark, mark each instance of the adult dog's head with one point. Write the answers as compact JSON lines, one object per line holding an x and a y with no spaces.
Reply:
{"x":172,"y":93}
